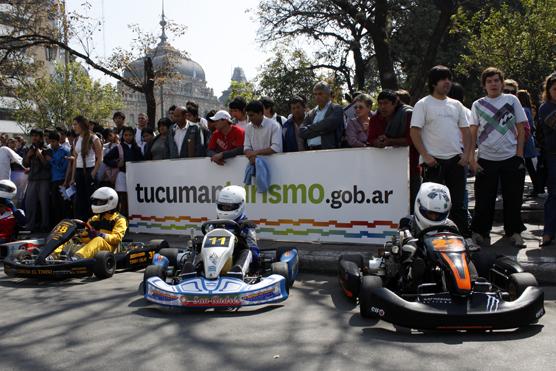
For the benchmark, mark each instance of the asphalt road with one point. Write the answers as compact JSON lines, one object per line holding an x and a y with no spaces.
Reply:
{"x":97,"y":325}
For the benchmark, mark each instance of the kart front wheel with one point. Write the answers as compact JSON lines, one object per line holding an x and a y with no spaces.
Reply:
{"x":281,"y":268}
{"x":519,"y":282}
{"x":368,"y":284}
{"x":357,"y":259}
{"x":105,"y":265}
{"x":153,"y":271}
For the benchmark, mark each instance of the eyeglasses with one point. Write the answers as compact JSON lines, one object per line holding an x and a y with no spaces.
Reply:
{"x":509,"y":91}
{"x":359,"y":107}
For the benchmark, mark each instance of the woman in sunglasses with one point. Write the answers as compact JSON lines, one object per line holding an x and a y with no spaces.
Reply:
{"x":357,"y":128}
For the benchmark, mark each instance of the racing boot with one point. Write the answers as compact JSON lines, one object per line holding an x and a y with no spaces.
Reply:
{"x":241,"y":266}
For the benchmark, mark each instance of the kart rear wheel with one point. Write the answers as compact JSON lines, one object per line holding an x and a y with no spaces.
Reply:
{"x":281,"y":269}
{"x":105,"y":265}
{"x":157,"y":244}
{"x":358,"y":259}
{"x":171,"y":254}
{"x":519,"y":282}
{"x":368,"y":284}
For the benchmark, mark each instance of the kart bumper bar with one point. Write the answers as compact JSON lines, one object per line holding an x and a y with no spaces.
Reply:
{"x":444,"y":312}
{"x":81,"y":268}
{"x":226,"y":292}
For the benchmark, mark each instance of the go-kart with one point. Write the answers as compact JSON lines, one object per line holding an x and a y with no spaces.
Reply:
{"x":216,"y":271}
{"x":439,"y":283}
{"x":8,"y":248}
{"x":39,"y":261}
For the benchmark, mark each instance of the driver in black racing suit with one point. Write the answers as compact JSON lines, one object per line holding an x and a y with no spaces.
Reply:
{"x":432,"y":207}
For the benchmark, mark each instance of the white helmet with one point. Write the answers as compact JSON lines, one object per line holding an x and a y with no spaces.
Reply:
{"x":432,"y":205}
{"x":230,"y":203}
{"x":103,"y":200}
{"x":8,"y":189}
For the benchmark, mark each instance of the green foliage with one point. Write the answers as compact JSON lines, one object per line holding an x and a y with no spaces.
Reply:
{"x":241,"y":89}
{"x":55,"y":100}
{"x":521,"y":41}
{"x":285,"y":75}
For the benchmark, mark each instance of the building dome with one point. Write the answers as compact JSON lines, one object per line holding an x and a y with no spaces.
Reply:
{"x":166,"y":57}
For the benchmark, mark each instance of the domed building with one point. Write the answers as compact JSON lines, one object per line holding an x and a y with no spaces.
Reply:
{"x":185,"y":81}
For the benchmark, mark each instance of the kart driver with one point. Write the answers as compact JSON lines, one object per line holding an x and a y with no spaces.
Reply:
{"x":108,"y":226}
{"x":432,"y":207}
{"x":230,"y":205}
{"x":10,"y":217}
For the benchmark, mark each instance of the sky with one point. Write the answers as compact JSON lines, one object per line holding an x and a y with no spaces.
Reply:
{"x":220,"y":34}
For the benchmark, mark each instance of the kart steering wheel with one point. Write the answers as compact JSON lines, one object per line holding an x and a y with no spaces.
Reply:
{"x":83,"y":225}
{"x":438,"y":228}
{"x":221,"y":223}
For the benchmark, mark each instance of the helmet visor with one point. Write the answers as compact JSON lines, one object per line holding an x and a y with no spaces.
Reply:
{"x":433,"y":215}
{"x":227,"y":207}
{"x":6,"y":188}
{"x":98,"y":202}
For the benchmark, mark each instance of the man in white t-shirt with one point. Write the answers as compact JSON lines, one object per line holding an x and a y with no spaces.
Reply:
{"x":440,"y":133}
{"x":497,"y":127}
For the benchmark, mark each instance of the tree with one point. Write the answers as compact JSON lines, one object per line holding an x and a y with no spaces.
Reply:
{"x":34,"y":23}
{"x":358,"y":35}
{"x":40,"y":104}
{"x":500,"y":37}
{"x":284,"y":76}
{"x":241,"y":89}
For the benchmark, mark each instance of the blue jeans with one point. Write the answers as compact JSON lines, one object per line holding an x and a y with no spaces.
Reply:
{"x":550,"y":203}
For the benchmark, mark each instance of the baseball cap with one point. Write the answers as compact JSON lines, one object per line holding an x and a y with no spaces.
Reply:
{"x":221,"y":115}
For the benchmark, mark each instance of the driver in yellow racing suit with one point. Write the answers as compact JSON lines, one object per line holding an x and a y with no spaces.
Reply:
{"x":108,"y":226}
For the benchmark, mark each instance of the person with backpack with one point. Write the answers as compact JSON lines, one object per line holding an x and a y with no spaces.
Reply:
{"x":324,"y":125}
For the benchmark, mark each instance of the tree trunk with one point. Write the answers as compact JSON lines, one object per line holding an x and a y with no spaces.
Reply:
{"x":447,"y":9}
{"x":148,"y":84}
{"x":360,"y":68}
{"x":383,"y":51}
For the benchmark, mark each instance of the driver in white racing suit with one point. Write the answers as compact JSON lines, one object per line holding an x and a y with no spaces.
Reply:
{"x":230,"y":205}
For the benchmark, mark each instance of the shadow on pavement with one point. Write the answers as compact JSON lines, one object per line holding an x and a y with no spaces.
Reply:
{"x":405,"y":335}
{"x":153,"y":311}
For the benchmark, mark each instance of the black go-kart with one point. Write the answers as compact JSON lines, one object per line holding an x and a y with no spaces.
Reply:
{"x":440,"y":284}
{"x":41,"y":263}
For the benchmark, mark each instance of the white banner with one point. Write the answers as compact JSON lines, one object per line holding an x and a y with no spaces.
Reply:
{"x":346,"y":195}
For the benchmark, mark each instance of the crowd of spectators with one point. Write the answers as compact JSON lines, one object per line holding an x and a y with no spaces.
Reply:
{"x":498,"y":139}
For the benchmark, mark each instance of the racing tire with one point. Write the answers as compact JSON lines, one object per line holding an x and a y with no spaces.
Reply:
{"x":368,"y":284}
{"x":105,"y":265}
{"x":157,"y":244}
{"x":281,"y":269}
{"x":153,"y":271}
{"x":171,"y":254}
{"x":358,"y":259}
{"x":519,"y":282}
{"x":483,"y":262}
